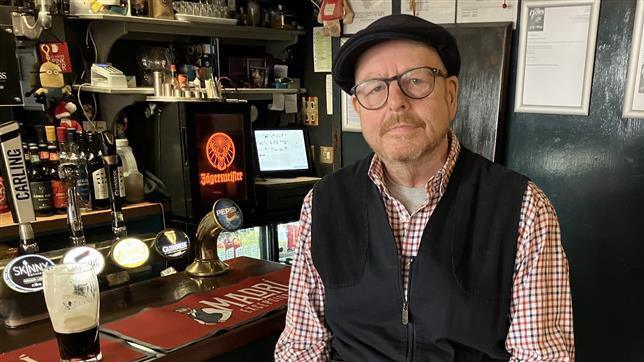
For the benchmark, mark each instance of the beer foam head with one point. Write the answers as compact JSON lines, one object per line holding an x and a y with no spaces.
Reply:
{"x":72,"y":297}
{"x":73,"y":319}
{"x":75,"y":324}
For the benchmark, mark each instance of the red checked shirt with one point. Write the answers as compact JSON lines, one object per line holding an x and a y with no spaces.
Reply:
{"x":541,"y":326}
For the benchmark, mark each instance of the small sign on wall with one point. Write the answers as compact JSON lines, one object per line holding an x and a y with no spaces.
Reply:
{"x":634,"y":96}
{"x":10,"y":91}
{"x":556,"y":56}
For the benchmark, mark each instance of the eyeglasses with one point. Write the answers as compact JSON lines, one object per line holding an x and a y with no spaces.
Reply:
{"x":415,"y":83}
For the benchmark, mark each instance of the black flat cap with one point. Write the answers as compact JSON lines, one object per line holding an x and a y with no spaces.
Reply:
{"x":394,"y":27}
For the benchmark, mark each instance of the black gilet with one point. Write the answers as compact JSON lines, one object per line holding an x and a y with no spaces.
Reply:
{"x":458,"y":301}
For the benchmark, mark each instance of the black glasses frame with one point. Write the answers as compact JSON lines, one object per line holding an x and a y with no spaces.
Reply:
{"x":397,"y":78}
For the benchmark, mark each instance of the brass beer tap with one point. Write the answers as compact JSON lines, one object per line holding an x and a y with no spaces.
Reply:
{"x":225,"y":216}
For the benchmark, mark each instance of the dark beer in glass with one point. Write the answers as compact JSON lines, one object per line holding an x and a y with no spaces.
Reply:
{"x":73,"y":300}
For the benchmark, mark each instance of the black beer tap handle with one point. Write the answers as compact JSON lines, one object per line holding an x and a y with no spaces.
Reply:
{"x":110,"y":160}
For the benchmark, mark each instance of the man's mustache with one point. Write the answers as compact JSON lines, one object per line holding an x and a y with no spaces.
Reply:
{"x":400,"y":120}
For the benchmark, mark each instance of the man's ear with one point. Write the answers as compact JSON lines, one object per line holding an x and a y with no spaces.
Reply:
{"x":451,"y":95}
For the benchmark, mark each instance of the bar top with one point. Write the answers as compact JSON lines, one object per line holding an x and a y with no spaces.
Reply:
{"x":130,"y":299}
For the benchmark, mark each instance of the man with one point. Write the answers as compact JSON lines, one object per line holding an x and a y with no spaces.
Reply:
{"x":424,"y":251}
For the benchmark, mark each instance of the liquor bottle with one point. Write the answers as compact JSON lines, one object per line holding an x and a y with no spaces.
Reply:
{"x":39,"y":185}
{"x":25,"y":144}
{"x":50,"y":135}
{"x":237,"y":247}
{"x":73,"y":156}
{"x":65,"y":7}
{"x":221,"y":249}
{"x":43,"y":151}
{"x":90,"y":151}
{"x":25,"y":152}
{"x":173,"y":77}
{"x":58,"y":187}
{"x":42,"y":143}
{"x":30,"y":145}
{"x":4,"y":206}
{"x":83,"y":144}
{"x":61,"y":136}
{"x":98,"y":181}
{"x":230,"y":247}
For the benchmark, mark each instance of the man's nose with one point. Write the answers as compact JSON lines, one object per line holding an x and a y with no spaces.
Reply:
{"x":397,"y":101}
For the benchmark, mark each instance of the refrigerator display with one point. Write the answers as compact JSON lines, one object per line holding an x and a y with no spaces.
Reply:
{"x":287,"y":235}
{"x":244,"y":242}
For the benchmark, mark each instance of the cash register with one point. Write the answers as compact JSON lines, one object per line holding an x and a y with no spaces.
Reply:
{"x":284,"y":170}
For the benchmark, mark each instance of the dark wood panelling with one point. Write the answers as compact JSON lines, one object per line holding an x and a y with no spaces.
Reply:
{"x":485,"y":53}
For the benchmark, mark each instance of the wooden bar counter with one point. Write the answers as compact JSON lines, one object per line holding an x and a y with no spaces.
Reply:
{"x":130,"y":299}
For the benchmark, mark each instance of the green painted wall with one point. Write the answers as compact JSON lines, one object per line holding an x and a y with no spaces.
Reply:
{"x":592,"y":168}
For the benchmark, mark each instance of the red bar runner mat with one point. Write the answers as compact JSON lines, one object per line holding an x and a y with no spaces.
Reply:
{"x":199,"y":316}
{"x":113,"y":350}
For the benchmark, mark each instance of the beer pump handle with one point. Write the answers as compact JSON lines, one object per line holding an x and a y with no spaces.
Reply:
{"x":68,"y":172}
{"x":110,"y":161}
{"x":225,"y":216}
{"x":73,"y":216}
{"x":14,"y":171}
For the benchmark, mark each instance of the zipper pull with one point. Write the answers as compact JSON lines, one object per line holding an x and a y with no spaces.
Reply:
{"x":405,"y":314}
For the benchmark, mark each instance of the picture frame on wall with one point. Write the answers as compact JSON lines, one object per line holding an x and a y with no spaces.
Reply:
{"x":365,"y":13}
{"x":556,"y":56}
{"x":350,"y":118}
{"x":634,"y":90}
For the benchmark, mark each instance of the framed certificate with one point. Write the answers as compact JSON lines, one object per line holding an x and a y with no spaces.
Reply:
{"x":556,"y":56}
{"x":366,"y":12}
{"x":350,"y":118}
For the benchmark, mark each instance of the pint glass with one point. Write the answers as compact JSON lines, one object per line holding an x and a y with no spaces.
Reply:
{"x":72,"y":297}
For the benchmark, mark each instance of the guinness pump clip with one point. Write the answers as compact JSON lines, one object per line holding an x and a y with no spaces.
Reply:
{"x":172,"y":243}
{"x":225,"y":216}
{"x":24,"y":273}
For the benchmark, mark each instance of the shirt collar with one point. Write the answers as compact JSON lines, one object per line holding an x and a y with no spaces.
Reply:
{"x":436,"y":184}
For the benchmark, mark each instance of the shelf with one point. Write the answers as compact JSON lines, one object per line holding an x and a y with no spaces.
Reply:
{"x":58,"y":223}
{"x":183,"y":100}
{"x":113,"y":100}
{"x":107,"y":29}
{"x":107,"y":90}
{"x":259,"y":93}
{"x":192,"y":100}
{"x":138,"y":93}
{"x":263,"y":90}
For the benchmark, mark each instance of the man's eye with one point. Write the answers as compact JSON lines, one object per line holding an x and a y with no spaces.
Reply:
{"x":375,"y":89}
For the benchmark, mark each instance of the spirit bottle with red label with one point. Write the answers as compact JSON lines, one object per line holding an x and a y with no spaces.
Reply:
{"x":39,"y":185}
{"x":58,"y":188}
